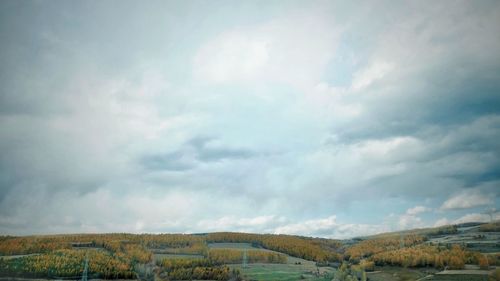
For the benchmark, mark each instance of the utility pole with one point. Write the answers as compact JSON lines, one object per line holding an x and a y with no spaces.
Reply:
{"x":490,"y":212}
{"x":244,"y":263}
{"x":85,"y":268}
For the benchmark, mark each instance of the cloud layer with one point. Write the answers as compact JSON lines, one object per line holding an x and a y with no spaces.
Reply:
{"x":323,"y":118}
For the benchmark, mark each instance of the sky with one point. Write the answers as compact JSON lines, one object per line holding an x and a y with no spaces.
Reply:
{"x":320,"y":118}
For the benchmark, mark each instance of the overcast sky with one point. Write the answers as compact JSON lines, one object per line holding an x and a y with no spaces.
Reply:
{"x":319,"y":118}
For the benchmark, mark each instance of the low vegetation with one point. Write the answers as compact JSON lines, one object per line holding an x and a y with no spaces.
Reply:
{"x":349,"y":273}
{"x":490,"y":227}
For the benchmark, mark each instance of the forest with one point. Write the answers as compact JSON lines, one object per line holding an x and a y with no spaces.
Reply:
{"x":200,"y":269}
{"x":315,"y":249}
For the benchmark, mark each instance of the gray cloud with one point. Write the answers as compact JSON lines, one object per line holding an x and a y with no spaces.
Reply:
{"x":175,"y":161}
{"x":208,"y":153}
{"x":194,"y":151}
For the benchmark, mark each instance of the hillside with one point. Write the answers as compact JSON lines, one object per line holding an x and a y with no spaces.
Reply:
{"x":467,"y":249}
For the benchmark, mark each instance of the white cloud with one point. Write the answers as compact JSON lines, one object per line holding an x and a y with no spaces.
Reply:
{"x":293,"y":49}
{"x":371,"y":74}
{"x":476,"y":217}
{"x":98,"y":211}
{"x":234,"y":223}
{"x":471,"y":217}
{"x":466,"y":200}
{"x":409,"y":219}
{"x":233,"y":56}
{"x":392,"y":148}
{"x":441,"y":222}
{"x":417,"y":210}
{"x":309,"y":227}
{"x":409,"y":222}
{"x":333,"y":102}
{"x":330,"y":227}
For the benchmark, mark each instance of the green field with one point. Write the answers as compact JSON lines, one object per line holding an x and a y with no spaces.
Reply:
{"x":295,"y":269}
{"x":457,"y":277}
{"x":284,"y":272}
{"x":389,"y":273}
{"x":158,"y":257}
{"x":395,"y":274}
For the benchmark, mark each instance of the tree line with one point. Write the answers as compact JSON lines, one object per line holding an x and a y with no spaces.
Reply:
{"x":196,"y":269}
{"x":302,"y":247}
{"x":370,"y":247}
{"x":454,"y":257}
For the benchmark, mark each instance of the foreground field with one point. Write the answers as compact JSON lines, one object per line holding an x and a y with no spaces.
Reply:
{"x":284,"y":272}
{"x":395,"y":274}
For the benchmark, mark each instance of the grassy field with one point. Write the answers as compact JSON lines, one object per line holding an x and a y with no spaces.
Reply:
{"x":284,"y":272}
{"x":395,"y":274}
{"x":158,"y":257}
{"x":456,"y":277}
{"x":294,"y":269}
{"x":389,"y":273}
